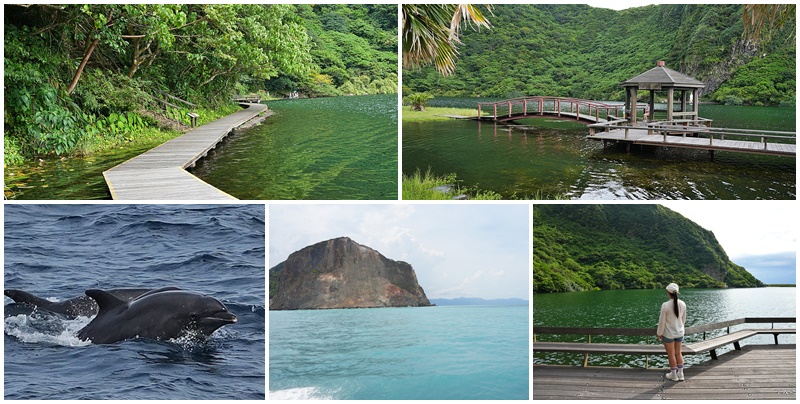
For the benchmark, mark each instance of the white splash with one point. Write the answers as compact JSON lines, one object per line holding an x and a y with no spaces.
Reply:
{"x":300,"y":393}
{"x":35,"y":329}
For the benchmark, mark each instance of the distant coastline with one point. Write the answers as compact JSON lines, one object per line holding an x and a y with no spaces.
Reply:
{"x":476,"y":301}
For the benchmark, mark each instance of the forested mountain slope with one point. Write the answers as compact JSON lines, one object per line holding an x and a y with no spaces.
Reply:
{"x":587,"y":247}
{"x":581,"y":51}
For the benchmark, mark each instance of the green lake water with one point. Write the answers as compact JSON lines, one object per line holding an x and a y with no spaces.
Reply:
{"x":318,"y":149}
{"x":640,"y":309}
{"x":549,"y":158}
{"x":70,"y":178}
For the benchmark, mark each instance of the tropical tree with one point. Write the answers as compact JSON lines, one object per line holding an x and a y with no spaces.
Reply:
{"x":756,"y":17}
{"x":431,"y":33}
{"x":417,"y":101}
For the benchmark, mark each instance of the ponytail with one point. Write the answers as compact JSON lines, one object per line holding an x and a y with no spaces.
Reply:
{"x":675,"y":308}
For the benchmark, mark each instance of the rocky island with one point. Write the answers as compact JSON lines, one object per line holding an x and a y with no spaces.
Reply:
{"x":340,"y":273}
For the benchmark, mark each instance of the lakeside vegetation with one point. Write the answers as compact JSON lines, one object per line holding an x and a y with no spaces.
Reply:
{"x":436,"y":114}
{"x":599,"y":247}
{"x":585,"y":52}
{"x":427,"y":186}
{"x":81,"y":79}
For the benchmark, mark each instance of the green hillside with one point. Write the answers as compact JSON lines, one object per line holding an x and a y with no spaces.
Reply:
{"x":581,"y":51}
{"x":589,"y":247}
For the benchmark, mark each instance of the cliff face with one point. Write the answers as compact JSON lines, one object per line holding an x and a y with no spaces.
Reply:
{"x":341,"y":273}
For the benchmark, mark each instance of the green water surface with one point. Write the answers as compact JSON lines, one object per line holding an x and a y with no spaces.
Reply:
{"x":552,"y":158}
{"x":318,"y":149}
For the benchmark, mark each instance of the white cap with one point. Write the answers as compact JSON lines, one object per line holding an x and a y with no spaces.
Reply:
{"x":672,"y":288}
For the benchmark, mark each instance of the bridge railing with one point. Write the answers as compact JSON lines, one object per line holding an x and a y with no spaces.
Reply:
{"x":540,"y":105}
{"x":704,"y":329}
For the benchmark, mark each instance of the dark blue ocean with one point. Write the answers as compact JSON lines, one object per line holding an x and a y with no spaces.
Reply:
{"x":419,"y":353}
{"x":59,"y":251}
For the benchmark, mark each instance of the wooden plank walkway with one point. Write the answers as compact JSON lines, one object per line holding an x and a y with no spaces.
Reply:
{"x":160,"y":173}
{"x":641,"y":137}
{"x":755,"y":372}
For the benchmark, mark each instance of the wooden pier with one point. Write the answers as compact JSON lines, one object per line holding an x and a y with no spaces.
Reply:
{"x":754,"y":372}
{"x":670,"y":134}
{"x":160,"y":173}
{"x":747,"y":372}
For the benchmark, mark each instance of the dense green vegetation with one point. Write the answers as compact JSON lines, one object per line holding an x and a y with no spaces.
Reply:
{"x":427,"y":186}
{"x":589,"y":247}
{"x":78,"y":77}
{"x":581,"y":51}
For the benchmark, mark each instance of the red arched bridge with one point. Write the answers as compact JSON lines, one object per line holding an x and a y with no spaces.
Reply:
{"x":585,"y":111}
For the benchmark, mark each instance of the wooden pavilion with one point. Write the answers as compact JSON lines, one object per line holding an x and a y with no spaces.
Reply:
{"x":661,"y":78}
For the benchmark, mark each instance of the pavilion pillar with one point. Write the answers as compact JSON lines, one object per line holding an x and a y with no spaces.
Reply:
{"x":633,"y":105}
{"x":683,"y":101}
{"x":696,"y":104}
{"x":670,"y":96}
{"x":652,"y":104}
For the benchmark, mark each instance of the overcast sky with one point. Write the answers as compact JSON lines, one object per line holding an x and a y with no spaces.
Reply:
{"x":457,"y":250}
{"x":758,"y":235}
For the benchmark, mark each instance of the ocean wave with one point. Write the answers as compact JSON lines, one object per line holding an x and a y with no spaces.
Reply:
{"x":301,"y":393}
{"x":37,"y":328}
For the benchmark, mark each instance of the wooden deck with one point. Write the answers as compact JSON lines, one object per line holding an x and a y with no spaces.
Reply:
{"x":160,"y":173}
{"x":641,"y":137}
{"x":755,"y":372}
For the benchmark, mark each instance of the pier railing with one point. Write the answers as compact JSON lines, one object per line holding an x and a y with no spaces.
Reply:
{"x":706,"y":344}
{"x":683,"y":128}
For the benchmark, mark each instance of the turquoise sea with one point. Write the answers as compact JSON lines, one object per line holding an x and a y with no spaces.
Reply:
{"x":445,"y":352}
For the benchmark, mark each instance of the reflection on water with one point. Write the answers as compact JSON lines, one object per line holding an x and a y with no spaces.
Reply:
{"x":548,"y":158}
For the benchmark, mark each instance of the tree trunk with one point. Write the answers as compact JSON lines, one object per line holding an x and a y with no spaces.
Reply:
{"x":83,"y":64}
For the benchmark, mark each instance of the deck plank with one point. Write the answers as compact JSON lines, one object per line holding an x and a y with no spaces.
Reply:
{"x":160,"y":172}
{"x":755,"y":372}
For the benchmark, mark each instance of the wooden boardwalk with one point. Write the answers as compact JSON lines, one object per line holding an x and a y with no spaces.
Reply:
{"x":755,"y":372}
{"x":160,"y":173}
{"x":641,"y":137}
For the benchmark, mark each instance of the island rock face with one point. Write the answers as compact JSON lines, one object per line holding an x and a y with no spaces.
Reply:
{"x":341,"y":273}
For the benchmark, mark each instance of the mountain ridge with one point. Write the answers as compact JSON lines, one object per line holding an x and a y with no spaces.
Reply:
{"x":597,"y":247}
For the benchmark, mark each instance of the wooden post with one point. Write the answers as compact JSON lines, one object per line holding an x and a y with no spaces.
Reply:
{"x":495,"y":111}
{"x":479,"y":110}
{"x":670,"y":95}
{"x":696,"y":104}
{"x":557,"y":105}
{"x":633,"y":105}
{"x":683,"y":101}
{"x":509,"y":109}
{"x":652,"y":105}
{"x":525,"y":106}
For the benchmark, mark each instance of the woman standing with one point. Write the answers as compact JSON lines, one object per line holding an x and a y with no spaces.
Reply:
{"x":670,"y":331}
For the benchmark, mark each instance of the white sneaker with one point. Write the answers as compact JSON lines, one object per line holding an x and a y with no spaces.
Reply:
{"x":680,"y":374}
{"x":672,"y":376}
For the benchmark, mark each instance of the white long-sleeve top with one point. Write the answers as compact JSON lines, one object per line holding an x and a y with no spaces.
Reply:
{"x":669,"y":325}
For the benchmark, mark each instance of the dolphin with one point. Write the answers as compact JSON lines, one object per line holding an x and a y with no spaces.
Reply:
{"x":77,"y":306}
{"x":159,"y":314}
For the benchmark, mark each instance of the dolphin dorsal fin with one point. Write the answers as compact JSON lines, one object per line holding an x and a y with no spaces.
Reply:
{"x":106,"y":301}
{"x":23,"y":297}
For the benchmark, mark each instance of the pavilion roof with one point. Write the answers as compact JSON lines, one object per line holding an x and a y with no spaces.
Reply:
{"x":662,"y":77}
